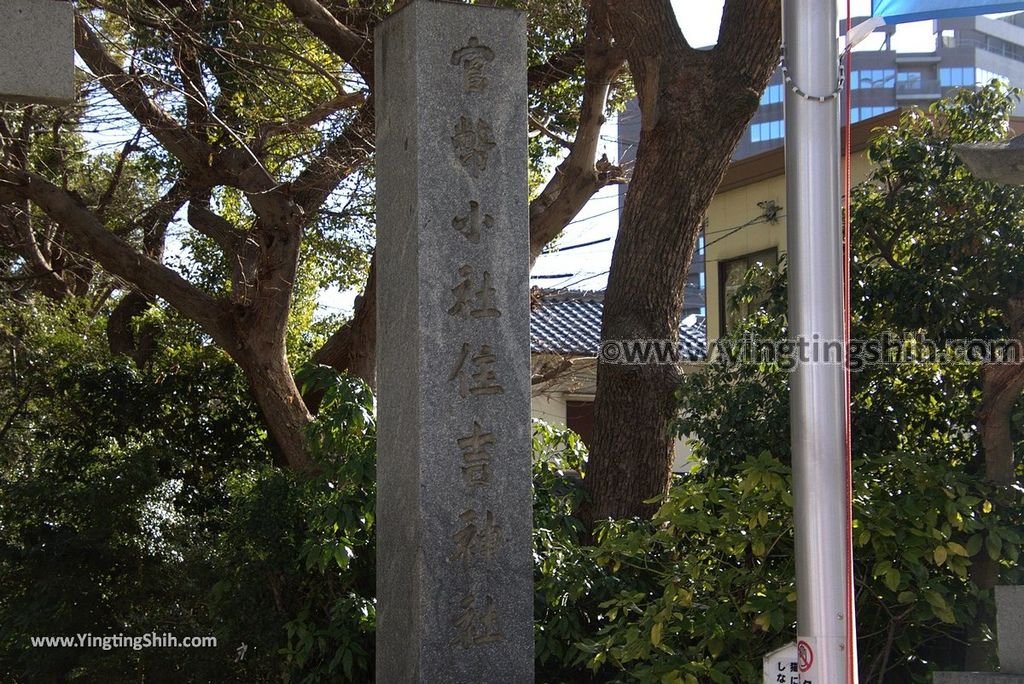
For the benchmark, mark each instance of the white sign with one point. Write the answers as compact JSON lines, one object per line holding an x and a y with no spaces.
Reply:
{"x":782,"y":666}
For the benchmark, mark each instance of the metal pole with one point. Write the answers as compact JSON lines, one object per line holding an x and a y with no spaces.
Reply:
{"x":817,"y":412}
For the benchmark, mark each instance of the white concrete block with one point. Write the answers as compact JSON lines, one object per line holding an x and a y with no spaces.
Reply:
{"x":37,"y":51}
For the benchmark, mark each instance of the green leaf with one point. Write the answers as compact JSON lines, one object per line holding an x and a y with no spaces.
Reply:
{"x":957,"y":549}
{"x":993,"y":544}
{"x":892,"y":579}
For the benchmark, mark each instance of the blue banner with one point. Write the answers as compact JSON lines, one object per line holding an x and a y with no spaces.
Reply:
{"x":899,"y":11}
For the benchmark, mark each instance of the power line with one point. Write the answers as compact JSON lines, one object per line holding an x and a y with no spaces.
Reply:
{"x":557,"y":276}
{"x":555,"y":250}
{"x":588,"y":218}
{"x":728,"y":232}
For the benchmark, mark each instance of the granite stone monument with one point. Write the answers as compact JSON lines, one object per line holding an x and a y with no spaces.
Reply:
{"x":454,"y":569}
{"x":37,"y":48}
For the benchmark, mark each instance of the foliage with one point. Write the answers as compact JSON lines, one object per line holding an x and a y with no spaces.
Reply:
{"x":111,"y":483}
{"x":705,"y":589}
{"x":929,"y":236}
{"x":308,"y":544}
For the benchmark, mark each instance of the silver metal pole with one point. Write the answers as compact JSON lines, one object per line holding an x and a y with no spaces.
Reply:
{"x":817,"y":412}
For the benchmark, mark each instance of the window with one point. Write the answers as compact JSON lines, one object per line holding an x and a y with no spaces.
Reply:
{"x":861,"y":113}
{"x":870,"y":79}
{"x":731,"y":276}
{"x":773,"y":94}
{"x":769,"y":130}
{"x":696,"y":285}
{"x":954,"y":77}
{"x":957,"y":77}
{"x":909,"y":79}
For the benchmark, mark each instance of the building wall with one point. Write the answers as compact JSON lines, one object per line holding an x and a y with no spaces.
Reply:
{"x":549,"y":407}
{"x":734,"y":207}
{"x":989,"y":45}
{"x":551,"y":403}
{"x":758,"y":179}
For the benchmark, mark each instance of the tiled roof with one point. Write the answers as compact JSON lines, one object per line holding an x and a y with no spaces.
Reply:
{"x":569,"y":323}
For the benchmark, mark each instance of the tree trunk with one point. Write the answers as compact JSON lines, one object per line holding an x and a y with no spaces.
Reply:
{"x":694,"y":106}
{"x":273,"y":386}
{"x":353,"y":348}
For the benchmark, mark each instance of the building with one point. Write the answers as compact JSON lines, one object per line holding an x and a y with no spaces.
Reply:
{"x":740,"y":231}
{"x":967,"y":52}
{"x":565,"y":339}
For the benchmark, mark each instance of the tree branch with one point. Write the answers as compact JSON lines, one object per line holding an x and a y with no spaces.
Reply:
{"x":352,"y":347}
{"x":310,"y":118}
{"x":215,"y":227}
{"x":114,"y":254}
{"x":577,"y":178}
{"x":339,"y":158}
{"x":355,"y":49}
{"x":558,"y":68}
{"x":127,"y":90}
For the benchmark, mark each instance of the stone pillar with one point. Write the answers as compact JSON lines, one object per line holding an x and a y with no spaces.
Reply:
{"x":454,"y":499}
{"x":1010,"y":628}
{"x":37,"y":48}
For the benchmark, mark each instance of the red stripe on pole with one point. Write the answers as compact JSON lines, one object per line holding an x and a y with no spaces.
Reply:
{"x":851,"y":646}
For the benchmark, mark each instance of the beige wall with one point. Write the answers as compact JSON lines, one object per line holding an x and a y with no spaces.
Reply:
{"x":549,"y":408}
{"x":735,"y":207}
{"x":548,"y":402}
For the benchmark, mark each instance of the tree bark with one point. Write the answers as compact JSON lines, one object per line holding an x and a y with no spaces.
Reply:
{"x":273,"y":386}
{"x":353,"y":348}
{"x":1001,"y":386}
{"x":694,"y":106}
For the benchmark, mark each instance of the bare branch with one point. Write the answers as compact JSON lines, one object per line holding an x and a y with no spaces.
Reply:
{"x":340,"y":158}
{"x":543,"y":128}
{"x":311,"y":118}
{"x":115,"y":177}
{"x":553,"y":372}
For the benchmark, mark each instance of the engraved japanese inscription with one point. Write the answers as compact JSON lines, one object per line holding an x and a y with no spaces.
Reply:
{"x":476,"y":456}
{"x":476,"y":621}
{"x":470,"y":301}
{"x":477,"y":538}
{"x":474,"y":223}
{"x":473,"y":58}
{"x":473,"y":143}
{"x":455,"y":600}
{"x":481,"y":378}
